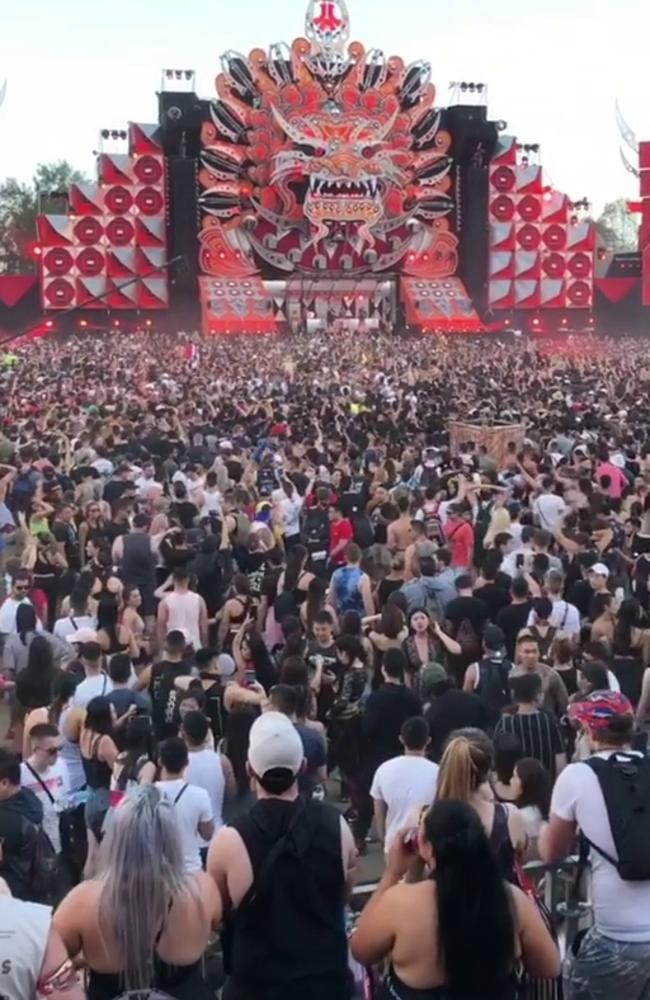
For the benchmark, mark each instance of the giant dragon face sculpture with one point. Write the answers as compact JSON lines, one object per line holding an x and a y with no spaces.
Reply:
{"x":318,"y":159}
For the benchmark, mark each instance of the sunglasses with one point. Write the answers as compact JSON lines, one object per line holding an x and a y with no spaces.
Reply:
{"x":21,"y":587}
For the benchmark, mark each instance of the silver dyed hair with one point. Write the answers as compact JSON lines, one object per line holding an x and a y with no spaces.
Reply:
{"x":143,"y":873}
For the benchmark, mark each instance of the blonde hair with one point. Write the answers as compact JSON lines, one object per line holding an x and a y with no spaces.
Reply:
{"x":465,"y":764}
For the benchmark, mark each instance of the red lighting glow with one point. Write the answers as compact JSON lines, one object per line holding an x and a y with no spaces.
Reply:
{"x":49,"y":324}
{"x":116,"y":322}
{"x":83,"y":323}
{"x":38,"y":251}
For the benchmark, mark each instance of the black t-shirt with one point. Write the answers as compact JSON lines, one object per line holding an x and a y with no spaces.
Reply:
{"x":511,"y":620}
{"x":581,"y":594}
{"x":494,"y":597}
{"x":185,"y":511}
{"x":470,"y":608}
{"x":114,"y":489}
{"x":386,"y":710}
{"x":450,"y":711}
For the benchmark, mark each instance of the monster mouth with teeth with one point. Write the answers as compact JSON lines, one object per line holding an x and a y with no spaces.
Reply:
{"x":341,"y":200}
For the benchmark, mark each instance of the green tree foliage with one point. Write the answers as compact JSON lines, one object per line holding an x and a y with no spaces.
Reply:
{"x":617,"y":227}
{"x":20,"y":203}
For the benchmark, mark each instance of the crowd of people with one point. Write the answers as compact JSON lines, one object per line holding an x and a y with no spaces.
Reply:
{"x":259,"y":615}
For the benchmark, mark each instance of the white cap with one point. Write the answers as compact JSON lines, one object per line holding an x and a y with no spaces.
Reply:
{"x":82,"y":635}
{"x":274,"y":742}
{"x":600,"y":569}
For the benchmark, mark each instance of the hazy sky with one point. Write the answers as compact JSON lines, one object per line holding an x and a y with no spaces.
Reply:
{"x":553,"y":68}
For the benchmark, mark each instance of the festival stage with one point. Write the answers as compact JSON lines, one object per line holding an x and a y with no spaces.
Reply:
{"x":325,"y":187}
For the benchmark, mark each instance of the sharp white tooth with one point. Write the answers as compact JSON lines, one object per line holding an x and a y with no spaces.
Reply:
{"x":349,"y":185}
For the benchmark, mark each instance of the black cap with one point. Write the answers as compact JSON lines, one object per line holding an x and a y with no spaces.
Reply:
{"x":494,"y":638}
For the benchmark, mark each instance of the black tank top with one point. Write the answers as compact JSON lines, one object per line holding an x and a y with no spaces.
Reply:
{"x":214,"y":708}
{"x":164,"y":697}
{"x":393,"y":988}
{"x":98,"y":772}
{"x":289,"y":940}
{"x":138,"y":561}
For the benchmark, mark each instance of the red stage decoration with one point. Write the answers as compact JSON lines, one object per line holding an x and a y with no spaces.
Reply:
{"x":324,"y":158}
{"x":111,"y":251}
{"x":236,"y":305}
{"x":541,"y":255}
{"x":441,"y":304}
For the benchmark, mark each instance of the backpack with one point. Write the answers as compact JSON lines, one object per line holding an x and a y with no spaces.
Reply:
{"x":544,"y":642}
{"x":316,"y":534}
{"x":432,"y":521}
{"x":624,"y":780}
{"x":363,"y":532}
{"x":493,"y":686}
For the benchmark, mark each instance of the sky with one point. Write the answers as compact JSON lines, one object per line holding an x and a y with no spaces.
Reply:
{"x":553,"y":69}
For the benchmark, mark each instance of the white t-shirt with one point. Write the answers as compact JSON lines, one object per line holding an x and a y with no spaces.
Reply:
{"x":564,"y":616}
{"x":205,"y":771}
{"x":550,"y":510}
{"x":24,"y":930}
{"x":92,"y":687}
{"x":405,"y":784}
{"x":65,"y":628}
{"x":57,"y":781}
{"x":8,"y":611}
{"x":621,"y":909}
{"x":191,"y":808}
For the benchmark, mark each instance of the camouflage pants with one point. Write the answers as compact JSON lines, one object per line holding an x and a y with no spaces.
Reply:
{"x":605,"y":969}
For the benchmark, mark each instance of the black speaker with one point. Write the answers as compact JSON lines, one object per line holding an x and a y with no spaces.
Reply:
{"x":473,"y":137}
{"x":183,"y":225}
{"x":180,"y":116}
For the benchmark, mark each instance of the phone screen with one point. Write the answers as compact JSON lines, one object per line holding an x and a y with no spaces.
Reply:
{"x":250,"y":677}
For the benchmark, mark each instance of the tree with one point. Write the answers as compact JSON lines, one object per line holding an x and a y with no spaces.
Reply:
{"x":617,"y":227}
{"x":20,"y":204}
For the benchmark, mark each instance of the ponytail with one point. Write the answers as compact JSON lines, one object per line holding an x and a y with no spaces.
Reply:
{"x":465,"y":764}
{"x":473,"y":902}
{"x":456,"y":777}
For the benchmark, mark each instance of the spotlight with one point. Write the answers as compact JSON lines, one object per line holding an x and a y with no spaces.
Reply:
{"x":116,"y":322}
{"x":83,"y":323}
{"x":178,"y":74}
{"x":463,"y":87}
{"x":106,"y":133}
{"x":535,"y":321}
{"x":148,"y":322}
{"x":115,"y":134}
{"x":188,"y":74}
{"x":169,"y":73}
{"x":38,"y":251}
{"x":49,"y":324}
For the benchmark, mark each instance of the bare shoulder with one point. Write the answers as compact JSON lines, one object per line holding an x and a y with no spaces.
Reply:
{"x":79,"y":901}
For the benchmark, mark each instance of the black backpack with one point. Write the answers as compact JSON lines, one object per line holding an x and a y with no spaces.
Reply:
{"x":624,"y":780}
{"x":316,"y":534}
{"x":493,"y":686}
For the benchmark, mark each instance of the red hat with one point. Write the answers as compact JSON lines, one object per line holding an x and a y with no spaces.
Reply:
{"x":598,"y":709}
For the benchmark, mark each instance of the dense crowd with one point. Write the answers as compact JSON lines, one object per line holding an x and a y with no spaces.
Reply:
{"x":244,"y":577}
